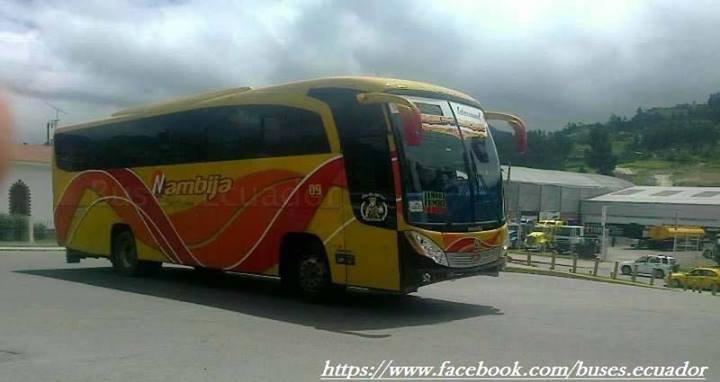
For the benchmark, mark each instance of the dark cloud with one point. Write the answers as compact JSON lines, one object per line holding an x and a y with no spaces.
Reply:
{"x":549,"y":62}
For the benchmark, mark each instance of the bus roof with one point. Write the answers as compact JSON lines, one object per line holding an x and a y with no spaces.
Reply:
{"x":207,"y":99}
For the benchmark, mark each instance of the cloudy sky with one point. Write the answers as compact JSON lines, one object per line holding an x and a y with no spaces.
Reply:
{"x":550,"y":62}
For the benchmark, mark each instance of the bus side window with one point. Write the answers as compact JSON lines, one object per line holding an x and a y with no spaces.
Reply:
{"x":288,"y":131}
{"x":232,"y":133}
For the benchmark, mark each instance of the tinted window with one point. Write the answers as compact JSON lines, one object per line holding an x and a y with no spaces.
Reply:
{"x":234,"y":133}
{"x":288,"y":131}
{"x":212,"y":134}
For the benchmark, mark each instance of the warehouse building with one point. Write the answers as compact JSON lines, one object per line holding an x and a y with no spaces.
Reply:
{"x":533,"y":193}
{"x":639,"y":207}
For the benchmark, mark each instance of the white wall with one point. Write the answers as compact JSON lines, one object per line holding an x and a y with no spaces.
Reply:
{"x":38,"y":177}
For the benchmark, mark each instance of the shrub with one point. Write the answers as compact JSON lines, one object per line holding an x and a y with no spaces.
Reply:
{"x":13,"y":227}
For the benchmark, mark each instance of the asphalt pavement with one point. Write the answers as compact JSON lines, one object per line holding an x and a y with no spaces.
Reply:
{"x":81,"y":322}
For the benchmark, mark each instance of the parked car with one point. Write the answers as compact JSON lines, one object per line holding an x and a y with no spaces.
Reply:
{"x":655,"y":265}
{"x":698,"y":278}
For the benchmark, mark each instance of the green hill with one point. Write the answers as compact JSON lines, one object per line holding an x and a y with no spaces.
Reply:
{"x":659,"y":146}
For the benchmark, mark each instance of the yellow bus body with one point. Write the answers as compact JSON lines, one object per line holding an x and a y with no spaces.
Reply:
{"x":235,"y":215}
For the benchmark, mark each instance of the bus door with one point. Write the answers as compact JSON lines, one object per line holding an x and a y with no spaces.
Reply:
{"x":371,"y":240}
{"x":370,"y":251}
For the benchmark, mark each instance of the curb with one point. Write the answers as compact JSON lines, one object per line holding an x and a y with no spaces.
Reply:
{"x":31,"y":249}
{"x":545,"y":272}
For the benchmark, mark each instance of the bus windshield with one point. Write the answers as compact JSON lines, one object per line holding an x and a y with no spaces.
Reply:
{"x":452,"y":176}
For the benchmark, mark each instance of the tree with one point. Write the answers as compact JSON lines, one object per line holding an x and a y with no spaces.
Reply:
{"x":600,"y":156}
{"x":615,"y":122}
{"x":714,"y":105}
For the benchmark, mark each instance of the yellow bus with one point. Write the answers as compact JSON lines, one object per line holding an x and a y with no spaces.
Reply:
{"x":374,"y":183}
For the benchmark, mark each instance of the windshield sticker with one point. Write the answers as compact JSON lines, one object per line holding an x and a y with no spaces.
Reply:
{"x":415,"y":206}
{"x":435,"y":202}
{"x":467,"y":112}
{"x":373,"y":208}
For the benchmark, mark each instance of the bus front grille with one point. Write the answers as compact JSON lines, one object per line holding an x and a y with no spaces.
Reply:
{"x":472,"y":259}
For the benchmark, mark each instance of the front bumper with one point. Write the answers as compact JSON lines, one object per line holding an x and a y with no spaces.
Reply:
{"x":418,"y":270}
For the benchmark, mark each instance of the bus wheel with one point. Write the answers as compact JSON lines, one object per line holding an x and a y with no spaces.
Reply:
{"x":313,"y":276}
{"x":124,"y":256}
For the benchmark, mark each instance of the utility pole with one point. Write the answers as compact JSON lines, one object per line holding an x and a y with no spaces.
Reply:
{"x":53,"y":123}
{"x":675,"y":234}
{"x":603,"y":242}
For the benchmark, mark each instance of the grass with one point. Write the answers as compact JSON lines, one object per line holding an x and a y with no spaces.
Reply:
{"x":693,"y":174}
{"x":652,"y":164}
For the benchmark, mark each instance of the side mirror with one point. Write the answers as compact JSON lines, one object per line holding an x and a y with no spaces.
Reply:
{"x":408,"y":113}
{"x":517,"y":125}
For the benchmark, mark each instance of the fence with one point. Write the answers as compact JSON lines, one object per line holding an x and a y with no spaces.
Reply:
{"x":610,"y":270}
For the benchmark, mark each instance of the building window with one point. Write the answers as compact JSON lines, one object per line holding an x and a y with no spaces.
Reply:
{"x":19,"y":199}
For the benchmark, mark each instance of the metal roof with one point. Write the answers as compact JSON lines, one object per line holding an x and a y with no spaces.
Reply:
{"x":565,"y":178}
{"x":667,"y":195}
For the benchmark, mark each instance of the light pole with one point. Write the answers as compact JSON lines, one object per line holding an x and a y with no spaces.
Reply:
{"x":53,"y":123}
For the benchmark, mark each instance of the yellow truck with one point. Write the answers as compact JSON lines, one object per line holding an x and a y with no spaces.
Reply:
{"x":558,"y":236}
{"x":664,"y":237}
{"x":541,"y":236}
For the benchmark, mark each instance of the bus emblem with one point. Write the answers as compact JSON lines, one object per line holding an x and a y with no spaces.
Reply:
{"x":373,"y":208}
{"x":477,"y":244}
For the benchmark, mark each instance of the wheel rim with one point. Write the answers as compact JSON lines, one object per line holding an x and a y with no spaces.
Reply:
{"x":311,"y":275}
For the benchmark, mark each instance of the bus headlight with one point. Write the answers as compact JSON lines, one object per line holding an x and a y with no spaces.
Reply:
{"x":426,"y":247}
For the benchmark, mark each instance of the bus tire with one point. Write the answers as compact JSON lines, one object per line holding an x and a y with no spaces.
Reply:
{"x":313,"y":275}
{"x":124,"y":256}
{"x":305,"y":270}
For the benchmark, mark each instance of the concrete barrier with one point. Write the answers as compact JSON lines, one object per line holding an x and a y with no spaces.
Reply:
{"x":574,"y":264}
{"x":595,"y":267}
{"x":615,"y":270}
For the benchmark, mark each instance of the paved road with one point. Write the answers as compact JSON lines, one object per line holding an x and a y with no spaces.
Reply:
{"x":81,"y":322}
